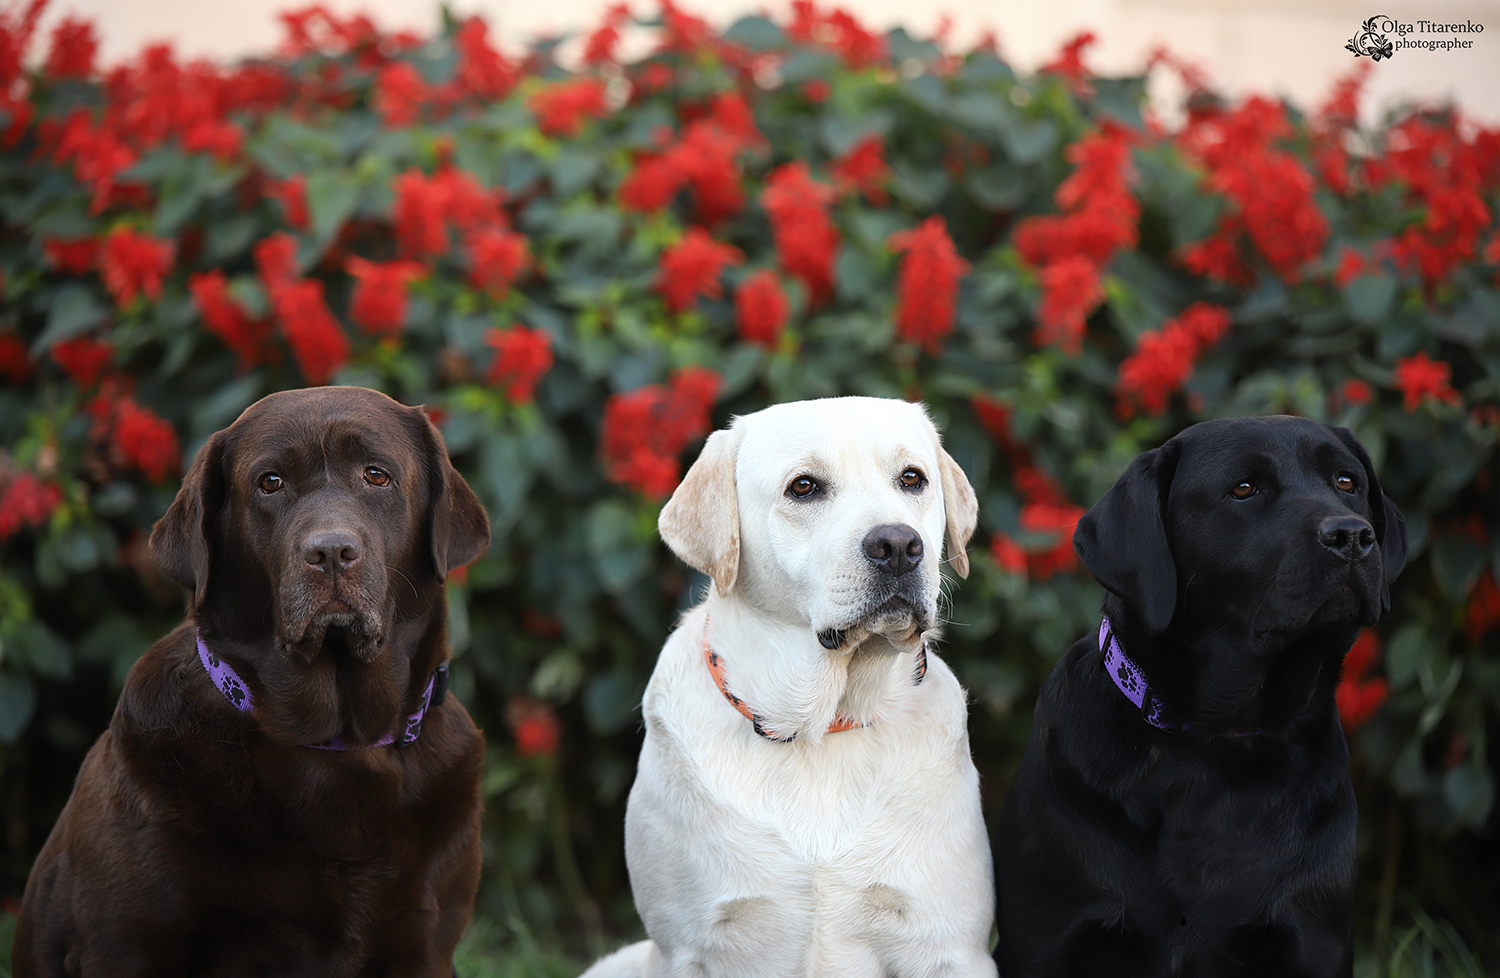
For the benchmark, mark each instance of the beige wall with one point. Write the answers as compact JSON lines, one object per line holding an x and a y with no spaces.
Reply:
{"x":1286,"y":47}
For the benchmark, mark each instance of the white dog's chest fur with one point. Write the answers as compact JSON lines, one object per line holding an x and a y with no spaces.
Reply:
{"x":860,"y":855}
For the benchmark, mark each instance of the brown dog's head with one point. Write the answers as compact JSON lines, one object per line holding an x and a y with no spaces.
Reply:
{"x":315,"y":534}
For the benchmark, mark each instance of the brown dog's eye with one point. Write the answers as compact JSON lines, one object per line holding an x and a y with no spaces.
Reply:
{"x":269,"y":483}
{"x":802,"y":486}
{"x":1344,"y":481}
{"x":377,"y":476}
{"x":1244,"y":490}
{"x":913,"y":479}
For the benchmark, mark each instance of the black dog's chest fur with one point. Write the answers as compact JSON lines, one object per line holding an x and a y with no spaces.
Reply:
{"x":1171,"y":844}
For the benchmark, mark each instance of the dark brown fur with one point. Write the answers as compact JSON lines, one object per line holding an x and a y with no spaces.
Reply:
{"x":204,"y":841}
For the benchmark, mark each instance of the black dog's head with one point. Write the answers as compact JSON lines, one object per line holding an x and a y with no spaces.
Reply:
{"x":1245,"y":536}
{"x":315,"y":534}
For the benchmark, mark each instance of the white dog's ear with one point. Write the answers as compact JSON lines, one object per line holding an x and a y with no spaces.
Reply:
{"x":701,"y":522}
{"x":961,"y":508}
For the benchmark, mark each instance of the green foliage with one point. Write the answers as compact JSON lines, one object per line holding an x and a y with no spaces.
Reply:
{"x":556,"y":628}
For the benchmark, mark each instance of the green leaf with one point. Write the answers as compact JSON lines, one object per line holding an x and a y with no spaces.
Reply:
{"x":619,"y":554}
{"x":73,"y":312}
{"x":610,"y":700}
{"x":1457,"y":562}
{"x":331,"y":196}
{"x":1369,"y":297}
{"x":756,"y":33}
{"x":17,"y":704}
{"x":1404,"y":653}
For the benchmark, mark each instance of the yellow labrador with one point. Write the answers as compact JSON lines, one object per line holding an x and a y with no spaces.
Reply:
{"x":805,"y":803}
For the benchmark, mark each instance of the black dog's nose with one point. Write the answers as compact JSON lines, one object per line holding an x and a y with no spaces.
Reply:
{"x":332,"y":551}
{"x":895,"y":548}
{"x":1348,"y":536}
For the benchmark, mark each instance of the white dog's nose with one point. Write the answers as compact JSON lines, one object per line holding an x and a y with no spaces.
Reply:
{"x":894,"y":548}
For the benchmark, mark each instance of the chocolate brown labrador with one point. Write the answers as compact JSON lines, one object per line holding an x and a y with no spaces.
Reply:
{"x":1184,"y":806}
{"x":284,"y":788}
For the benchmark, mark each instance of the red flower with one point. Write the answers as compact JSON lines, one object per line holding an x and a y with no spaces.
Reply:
{"x":561,"y":107}
{"x":1055,"y":518}
{"x":421,"y":206}
{"x":691,"y":268}
{"x":317,"y":340}
{"x":535,"y":724}
{"x":1070,"y":291}
{"x":994,"y":417}
{"x":145,"y":440}
{"x":1356,"y":391}
{"x":1008,"y":554}
{"x":1420,"y":378}
{"x":276,"y":259}
{"x":927,"y":286}
{"x":1069,"y":61}
{"x":483,"y":72}
{"x":73,"y":48}
{"x":27,"y":501}
{"x":227,"y":319}
{"x":761,"y":308}
{"x":1358,"y":696}
{"x":1351,"y":266}
{"x":292,"y":193}
{"x":816,"y":90}
{"x":465,"y":204}
{"x":83,"y":359}
{"x":1483,"y":610}
{"x":15,"y":358}
{"x":379,"y":303}
{"x":863,"y":168}
{"x":599,"y":47}
{"x":1163,"y":359}
{"x":133,"y":264}
{"x":806,"y":240}
{"x":653,"y":183}
{"x":399,"y":94}
{"x":522,"y":356}
{"x":644,"y":430}
{"x":497,"y":258}
{"x":836,"y":29}
{"x":77,"y":256}
{"x":221,"y":140}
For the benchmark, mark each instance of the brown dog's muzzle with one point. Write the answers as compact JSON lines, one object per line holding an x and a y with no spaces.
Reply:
{"x":333,"y":592}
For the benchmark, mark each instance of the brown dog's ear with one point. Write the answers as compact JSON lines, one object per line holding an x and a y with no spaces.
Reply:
{"x":1122,"y":539}
{"x":701,"y":522}
{"x":961,"y":509}
{"x":1389,"y":524}
{"x":181,"y":541}
{"x":457,"y":525}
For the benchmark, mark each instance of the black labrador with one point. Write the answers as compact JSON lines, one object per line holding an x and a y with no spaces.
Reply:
{"x":1184,"y":806}
{"x":284,"y":789}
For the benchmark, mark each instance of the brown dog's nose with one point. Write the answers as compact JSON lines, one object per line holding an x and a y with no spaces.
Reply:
{"x":1348,"y":536}
{"x":332,"y":551}
{"x":894,"y":548}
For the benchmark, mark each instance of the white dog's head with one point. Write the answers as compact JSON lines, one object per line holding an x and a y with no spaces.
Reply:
{"x":829,"y":514}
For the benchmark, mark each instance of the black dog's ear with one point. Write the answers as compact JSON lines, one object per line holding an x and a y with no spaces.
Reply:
{"x":1390,"y":525}
{"x":1122,"y":540}
{"x":181,"y":541}
{"x":457,"y":525}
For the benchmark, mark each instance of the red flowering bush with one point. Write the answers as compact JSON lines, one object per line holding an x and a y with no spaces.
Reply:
{"x":581,"y":272}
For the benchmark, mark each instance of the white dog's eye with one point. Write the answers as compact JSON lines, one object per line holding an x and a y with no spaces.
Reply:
{"x":802,"y":487}
{"x":376,"y":476}
{"x":1344,"y":481}
{"x":913,"y":479}
{"x":269,"y":483}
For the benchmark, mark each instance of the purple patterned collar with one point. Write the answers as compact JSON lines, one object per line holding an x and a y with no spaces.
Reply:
{"x":1131,"y":681}
{"x":238,"y":694}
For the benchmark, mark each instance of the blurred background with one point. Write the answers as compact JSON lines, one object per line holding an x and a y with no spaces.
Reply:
{"x":1292,"y":48}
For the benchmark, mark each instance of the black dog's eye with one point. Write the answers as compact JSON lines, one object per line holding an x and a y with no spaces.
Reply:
{"x":376,"y":476}
{"x":803,"y":486}
{"x":913,"y":479}
{"x":1344,"y":481}
{"x":269,"y":483}
{"x":1244,"y":490}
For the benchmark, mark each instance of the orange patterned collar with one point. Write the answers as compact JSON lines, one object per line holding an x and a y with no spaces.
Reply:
{"x":716,"y":669}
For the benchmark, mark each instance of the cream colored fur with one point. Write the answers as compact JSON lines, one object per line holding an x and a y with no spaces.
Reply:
{"x":860,"y":853}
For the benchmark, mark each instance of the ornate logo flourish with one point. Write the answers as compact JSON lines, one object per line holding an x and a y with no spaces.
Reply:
{"x":1370,"y":43}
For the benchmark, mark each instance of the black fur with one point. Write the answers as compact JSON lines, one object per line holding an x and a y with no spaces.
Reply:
{"x":1226,"y":849}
